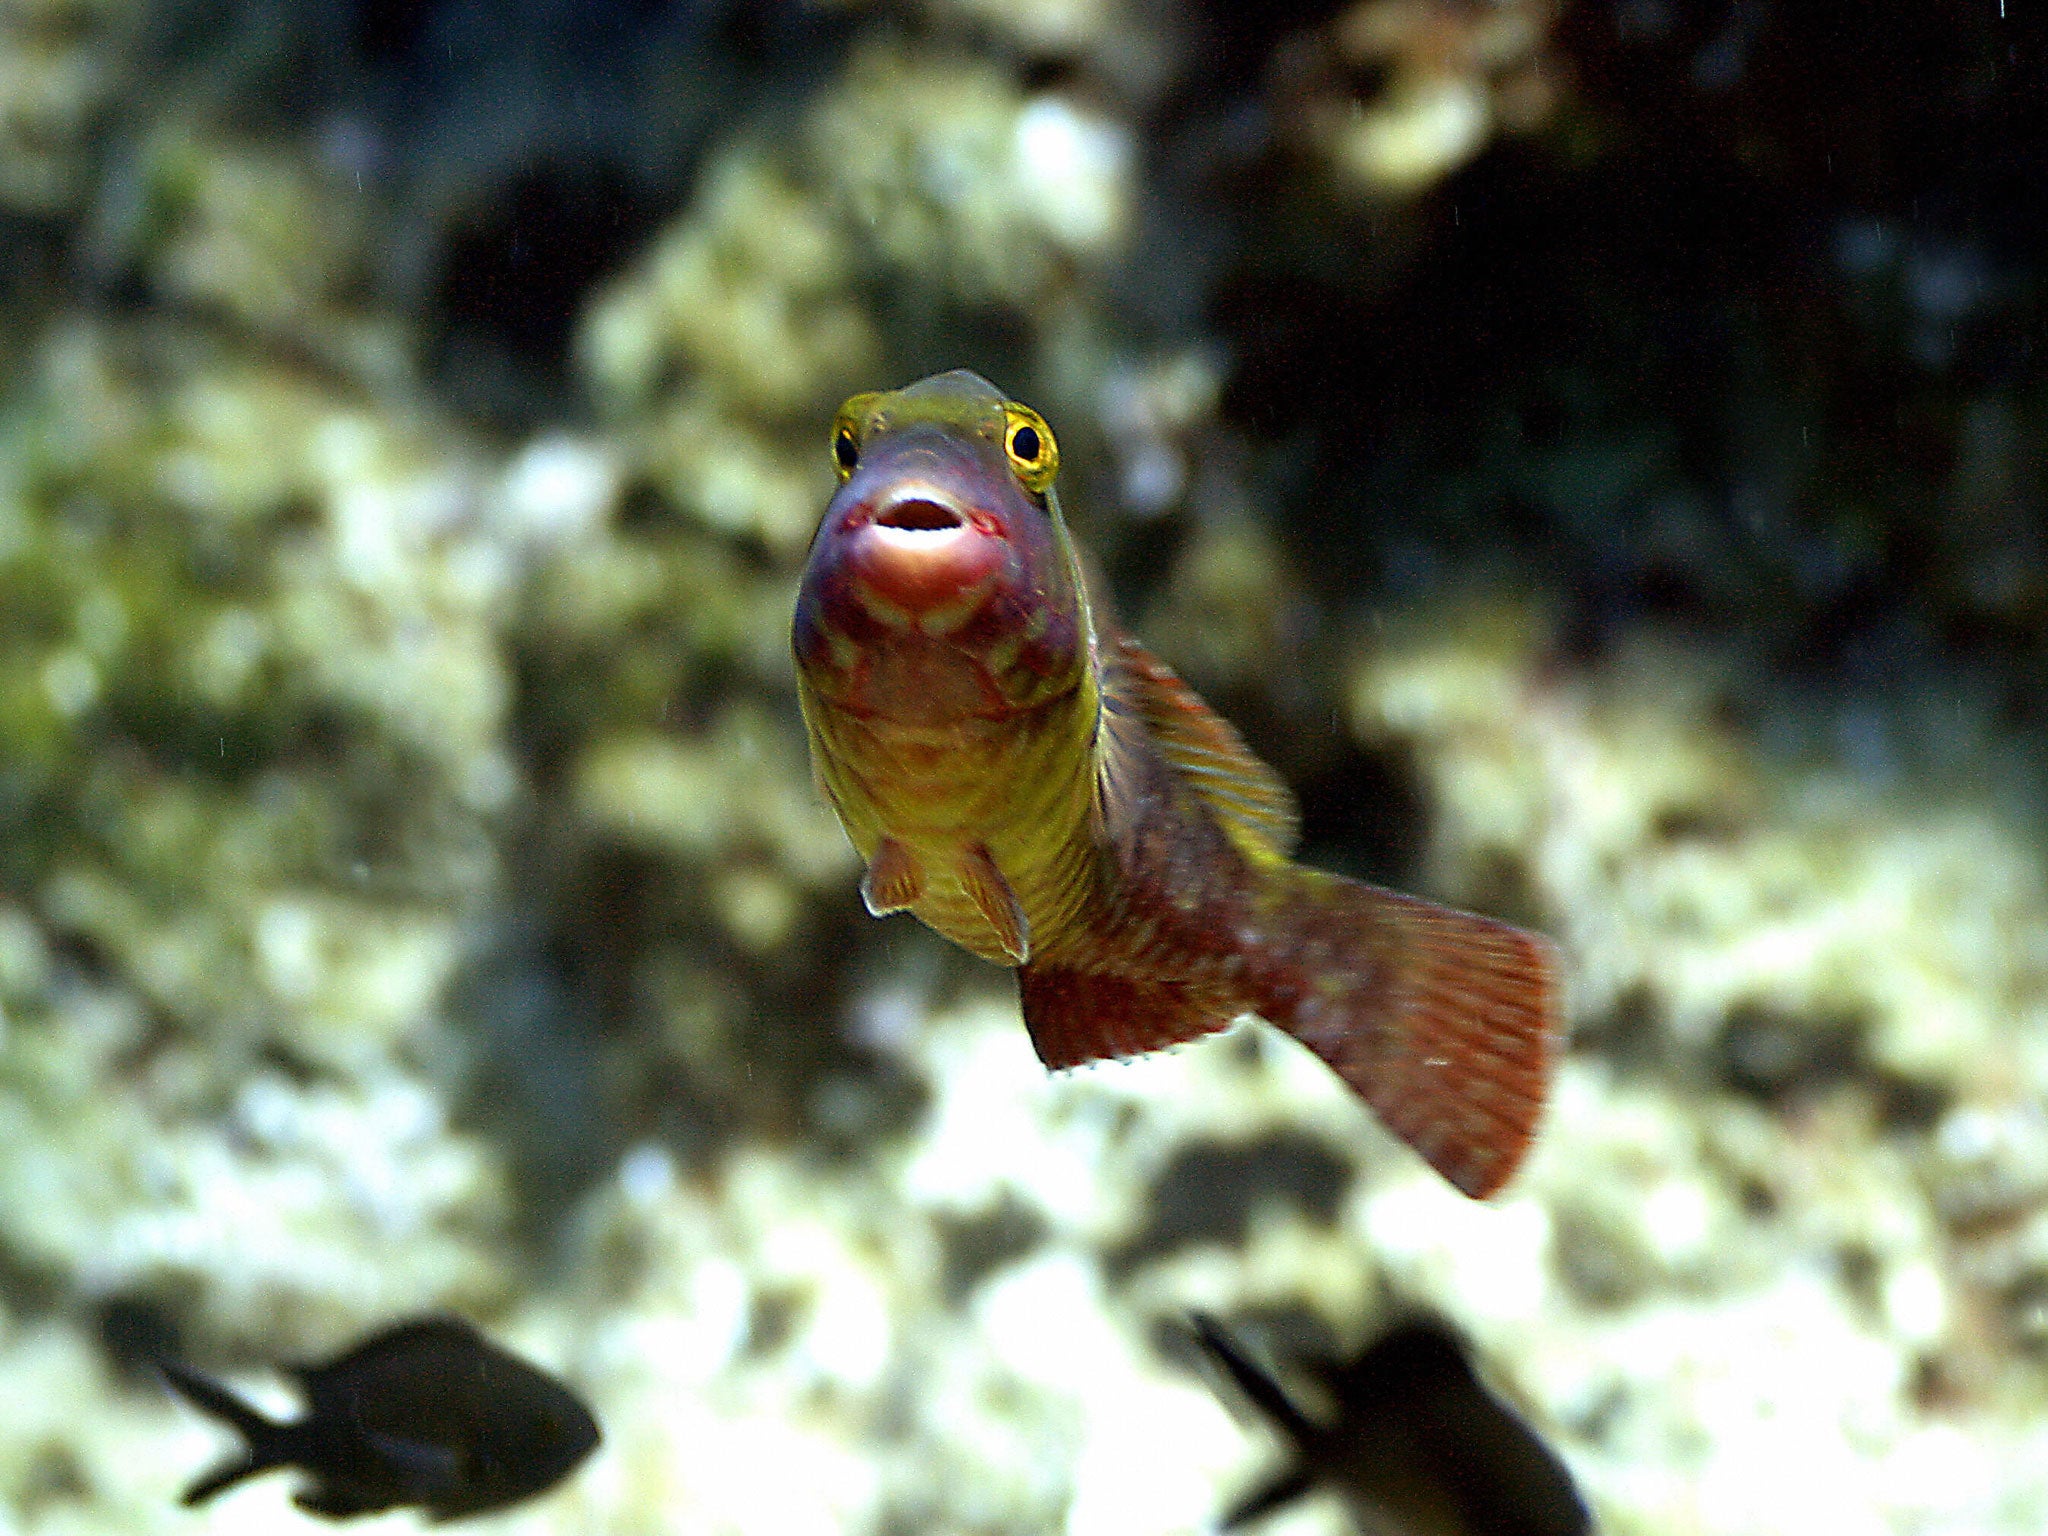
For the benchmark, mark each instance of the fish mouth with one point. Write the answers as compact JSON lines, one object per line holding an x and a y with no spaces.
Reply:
{"x":916,"y":514}
{"x":921,"y":560}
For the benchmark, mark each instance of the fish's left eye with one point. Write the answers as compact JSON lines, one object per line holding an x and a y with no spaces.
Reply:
{"x":1034,"y":456}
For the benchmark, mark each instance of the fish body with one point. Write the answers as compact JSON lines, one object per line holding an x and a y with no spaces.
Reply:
{"x":1032,"y":783}
{"x":426,"y":1414}
{"x":1417,"y":1445}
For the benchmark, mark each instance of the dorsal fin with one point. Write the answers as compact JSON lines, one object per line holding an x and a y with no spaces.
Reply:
{"x":1251,"y":802}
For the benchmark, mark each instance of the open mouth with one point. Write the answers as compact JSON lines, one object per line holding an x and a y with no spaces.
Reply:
{"x":920,"y":516}
{"x":919,"y":558}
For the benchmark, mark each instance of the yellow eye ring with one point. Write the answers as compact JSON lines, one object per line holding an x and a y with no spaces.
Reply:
{"x":1033,"y":452}
{"x":846,"y":435}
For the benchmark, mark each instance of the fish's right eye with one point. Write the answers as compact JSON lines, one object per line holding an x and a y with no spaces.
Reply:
{"x":852,"y":423}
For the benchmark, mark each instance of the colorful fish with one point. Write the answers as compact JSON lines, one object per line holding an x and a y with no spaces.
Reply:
{"x":1037,"y":787}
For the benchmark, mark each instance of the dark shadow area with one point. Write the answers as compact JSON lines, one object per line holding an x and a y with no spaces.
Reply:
{"x":514,"y":282}
{"x":1363,"y":814}
{"x":977,"y":1246}
{"x":1210,"y":1189}
{"x":1773,"y":1057}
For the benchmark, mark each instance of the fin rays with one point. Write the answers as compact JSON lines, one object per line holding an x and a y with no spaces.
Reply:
{"x":1453,"y":1034}
{"x":1251,"y":802}
{"x":1079,"y":1016}
{"x":894,"y":879}
{"x":996,"y":902}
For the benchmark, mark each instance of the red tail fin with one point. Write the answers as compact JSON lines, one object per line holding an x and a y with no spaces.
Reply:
{"x":1447,"y":1024}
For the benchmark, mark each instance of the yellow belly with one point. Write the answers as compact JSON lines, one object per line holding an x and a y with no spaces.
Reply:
{"x":1021,"y":786}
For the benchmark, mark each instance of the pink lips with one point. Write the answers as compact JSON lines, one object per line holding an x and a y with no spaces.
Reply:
{"x":918,"y":555}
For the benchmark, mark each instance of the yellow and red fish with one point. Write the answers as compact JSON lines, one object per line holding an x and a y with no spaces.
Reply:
{"x":1037,"y":787}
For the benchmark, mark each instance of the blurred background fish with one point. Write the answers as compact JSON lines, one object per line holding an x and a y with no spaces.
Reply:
{"x":427,"y":1413}
{"x":1052,"y":797}
{"x":1415,"y":1444}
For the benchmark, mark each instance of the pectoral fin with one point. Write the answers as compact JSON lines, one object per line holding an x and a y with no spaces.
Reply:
{"x":426,"y":1470}
{"x":996,"y":902}
{"x":894,"y":879}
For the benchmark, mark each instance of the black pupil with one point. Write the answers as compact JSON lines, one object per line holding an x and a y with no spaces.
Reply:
{"x":1024,"y":443}
{"x":844,"y":451}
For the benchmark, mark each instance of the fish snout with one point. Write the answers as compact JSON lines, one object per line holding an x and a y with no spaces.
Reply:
{"x":917,"y":554}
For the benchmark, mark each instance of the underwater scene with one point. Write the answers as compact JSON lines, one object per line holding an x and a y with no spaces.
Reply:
{"x":1006,"y":767}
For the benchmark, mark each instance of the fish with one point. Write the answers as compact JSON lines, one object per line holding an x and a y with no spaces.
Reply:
{"x":1417,"y":1445}
{"x":426,"y":1413}
{"x":1034,"y":784}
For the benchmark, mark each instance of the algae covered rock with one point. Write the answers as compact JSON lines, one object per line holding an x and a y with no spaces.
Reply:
{"x":63,"y":67}
{"x":202,"y":893}
{"x":1846,"y":1018}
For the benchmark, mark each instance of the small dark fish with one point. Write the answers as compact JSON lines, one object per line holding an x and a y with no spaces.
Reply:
{"x":1418,"y":1445}
{"x":427,"y":1413}
{"x":1034,"y":784}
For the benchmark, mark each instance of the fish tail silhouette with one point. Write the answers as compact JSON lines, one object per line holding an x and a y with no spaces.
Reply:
{"x":267,"y":1443}
{"x":1446,"y":1023}
{"x":1291,"y":1481}
{"x":1259,"y":1389}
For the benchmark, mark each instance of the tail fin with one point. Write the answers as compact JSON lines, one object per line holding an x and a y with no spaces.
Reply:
{"x":1291,"y":1481}
{"x":1259,"y":1389}
{"x":1447,"y":1024}
{"x":265,"y":1438}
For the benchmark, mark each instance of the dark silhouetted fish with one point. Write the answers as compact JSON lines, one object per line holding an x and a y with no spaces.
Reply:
{"x":1039,"y":788}
{"x":1417,"y":1446}
{"x":427,"y":1414}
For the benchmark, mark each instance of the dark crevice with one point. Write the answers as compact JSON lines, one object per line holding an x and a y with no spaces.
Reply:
{"x":515,"y":281}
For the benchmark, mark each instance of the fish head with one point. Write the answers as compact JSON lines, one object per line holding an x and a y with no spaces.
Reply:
{"x":526,"y":1447}
{"x":941,"y":579}
{"x":519,"y":1430}
{"x":529,"y":1436}
{"x":558,"y":1432}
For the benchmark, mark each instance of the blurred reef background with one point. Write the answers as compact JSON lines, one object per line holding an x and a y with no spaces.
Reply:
{"x":1596,"y":449}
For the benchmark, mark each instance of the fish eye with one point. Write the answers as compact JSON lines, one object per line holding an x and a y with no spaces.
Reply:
{"x":846,"y":433}
{"x":1028,"y":441}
